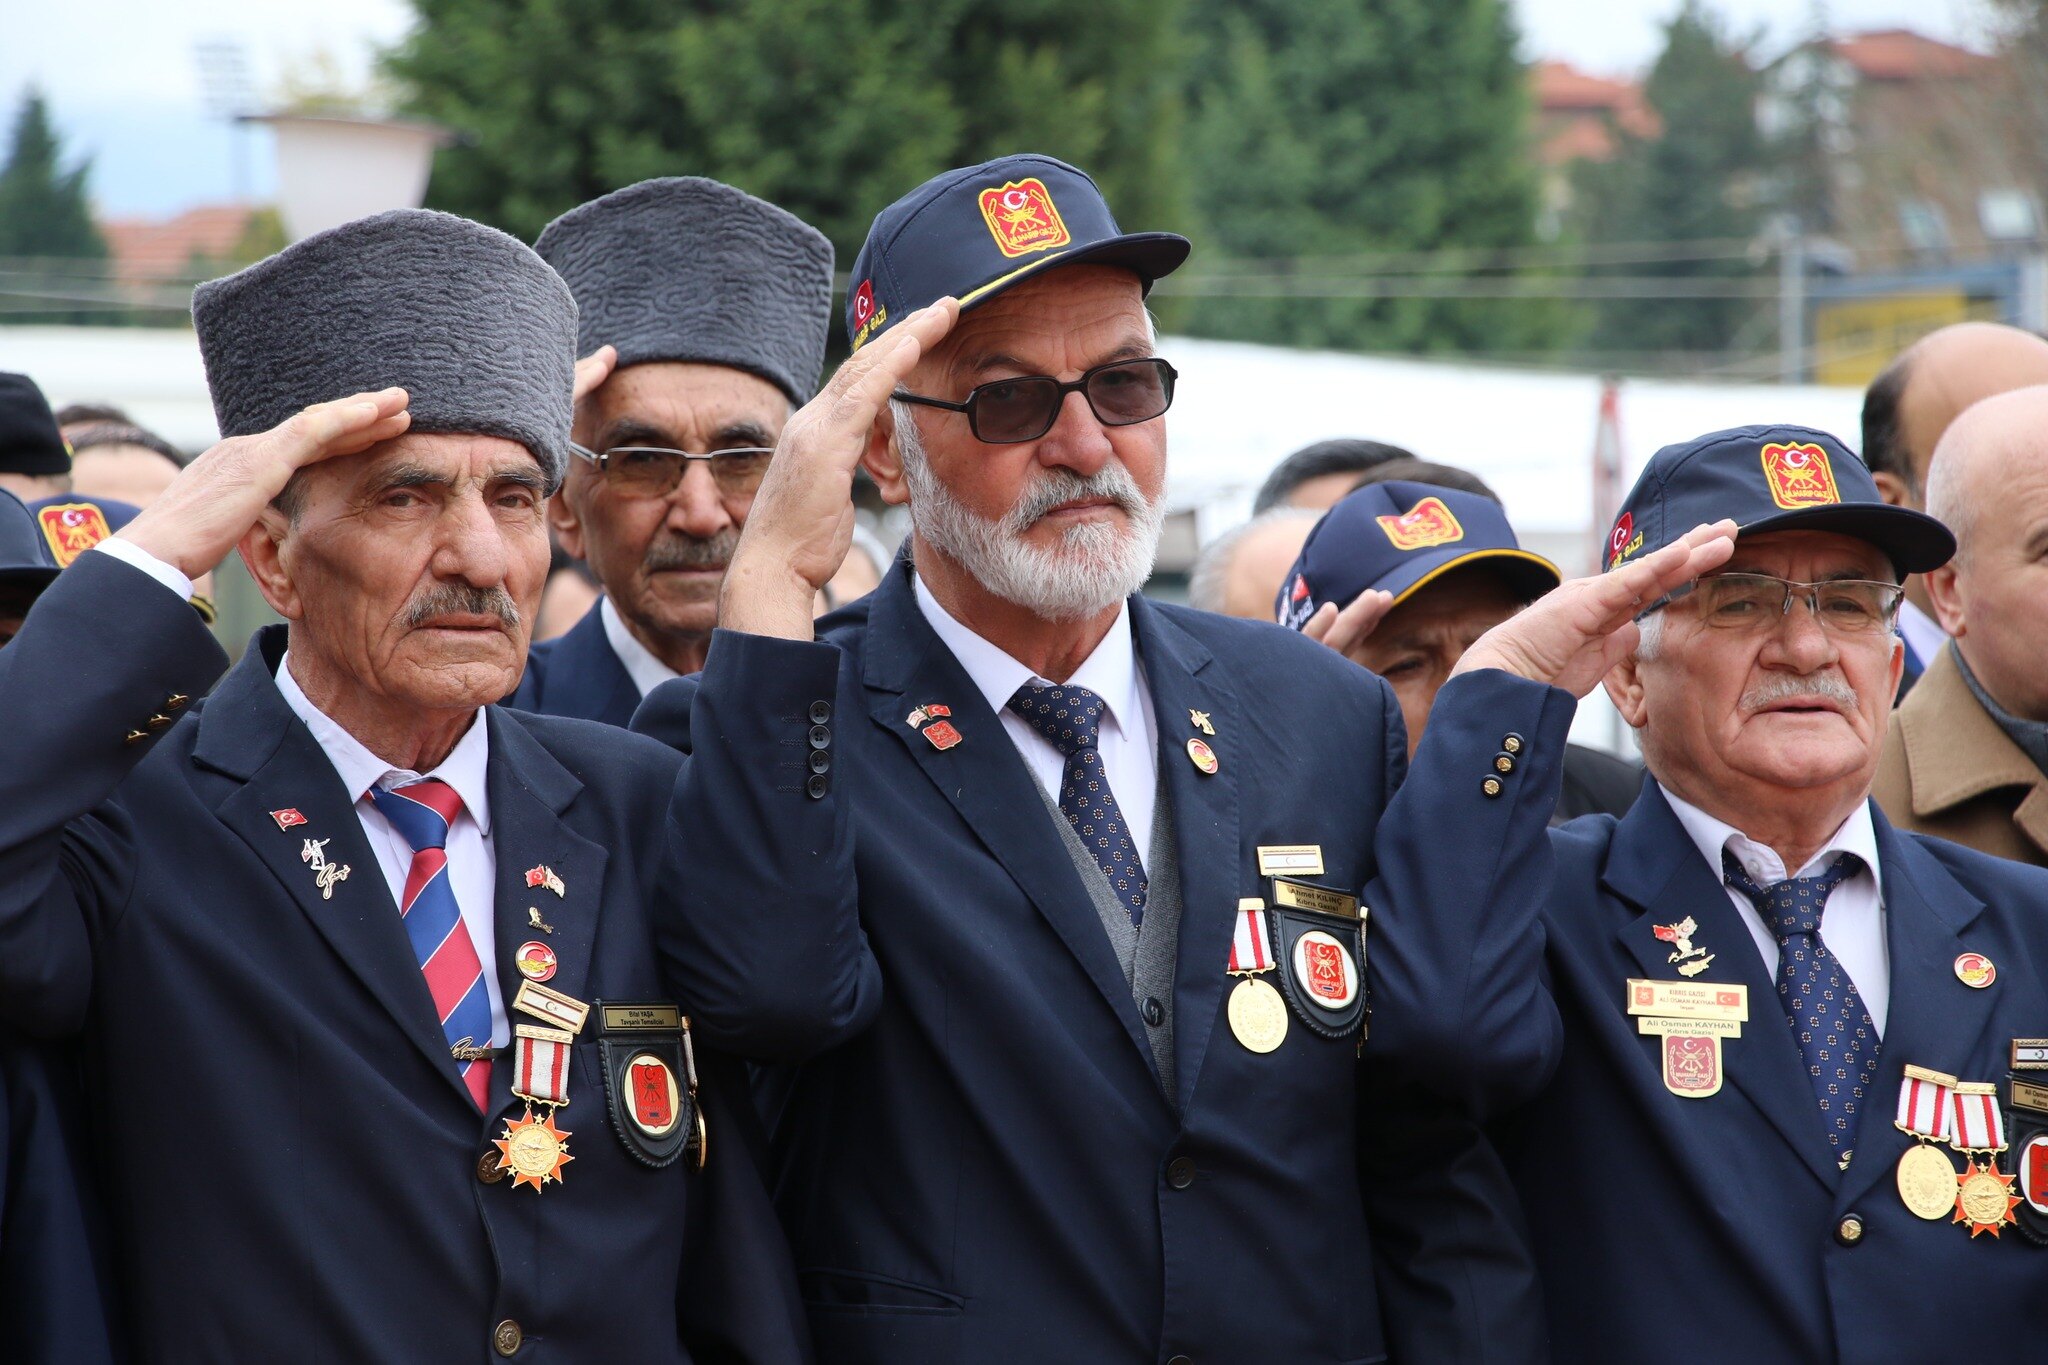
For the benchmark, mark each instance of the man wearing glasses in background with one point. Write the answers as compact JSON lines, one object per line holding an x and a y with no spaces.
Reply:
{"x":1112,"y":858}
{"x":1797,"y":1113}
{"x":703,"y":312}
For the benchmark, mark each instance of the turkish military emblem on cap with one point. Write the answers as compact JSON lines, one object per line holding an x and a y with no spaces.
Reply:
{"x":974,"y":232}
{"x":1770,"y":478}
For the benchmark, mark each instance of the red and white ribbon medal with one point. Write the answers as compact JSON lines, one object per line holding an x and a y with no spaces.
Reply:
{"x":1926,"y":1174}
{"x":1984,"y":1194}
{"x":1258,"y":1016}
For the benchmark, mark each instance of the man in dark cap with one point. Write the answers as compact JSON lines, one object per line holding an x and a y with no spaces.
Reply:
{"x":1799,"y":1105}
{"x":390,"y":995}
{"x":35,"y":460}
{"x":1403,"y":577}
{"x":715,"y":305}
{"x":1112,"y":857}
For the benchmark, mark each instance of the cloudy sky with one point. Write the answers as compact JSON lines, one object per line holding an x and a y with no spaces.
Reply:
{"x":124,"y":81}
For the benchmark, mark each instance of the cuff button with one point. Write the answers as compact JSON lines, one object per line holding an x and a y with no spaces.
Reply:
{"x":817,"y":786}
{"x":1504,"y":762}
{"x":1491,"y":786}
{"x":1513,"y":743}
{"x":821,"y":711}
{"x":821,"y":738}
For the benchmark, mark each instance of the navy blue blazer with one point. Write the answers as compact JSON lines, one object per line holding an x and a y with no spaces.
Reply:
{"x":294,"y":1165}
{"x":577,"y":674}
{"x":993,"y":1170}
{"x":56,"y":1290}
{"x":1712,"y":1230}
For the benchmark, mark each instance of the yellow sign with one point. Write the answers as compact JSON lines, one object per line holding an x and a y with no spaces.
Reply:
{"x":1855,"y":338}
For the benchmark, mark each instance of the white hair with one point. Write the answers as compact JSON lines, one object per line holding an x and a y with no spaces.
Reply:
{"x":1209,"y":580}
{"x":1650,"y":636}
{"x":1094,"y":567}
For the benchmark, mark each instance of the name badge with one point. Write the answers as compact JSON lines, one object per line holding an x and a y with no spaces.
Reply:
{"x":1303,"y":896}
{"x":1688,"y":999}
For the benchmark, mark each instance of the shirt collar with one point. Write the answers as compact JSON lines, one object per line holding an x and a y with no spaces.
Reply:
{"x":646,"y":671}
{"x":1857,"y":835}
{"x":465,"y":769}
{"x":1923,"y":634}
{"x":1110,"y":671}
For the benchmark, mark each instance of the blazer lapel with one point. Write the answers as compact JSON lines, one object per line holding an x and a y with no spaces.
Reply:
{"x":1655,"y":865}
{"x":248,"y":732}
{"x":529,"y":790}
{"x":1933,"y":1020}
{"x":1205,"y":811}
{"x":591,"y":680}
{"x":984,"y":778}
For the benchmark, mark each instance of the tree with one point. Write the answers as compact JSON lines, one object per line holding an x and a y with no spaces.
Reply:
{"x":830,"y":108}
{"x":44,"y":215}
{"x":1323,"y":137}
{"x":1701,"y":180}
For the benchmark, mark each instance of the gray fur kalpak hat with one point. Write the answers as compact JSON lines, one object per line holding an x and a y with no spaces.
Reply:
{"x":690,"y":269}
{"x":470,"y":322}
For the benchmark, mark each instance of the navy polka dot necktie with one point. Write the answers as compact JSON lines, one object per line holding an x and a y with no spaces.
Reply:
{"x":1834,"y":1031}
{"x":1070,"y":718}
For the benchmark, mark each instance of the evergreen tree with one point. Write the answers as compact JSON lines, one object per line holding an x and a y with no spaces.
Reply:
{"x":830,"y":108}
{"x":1701,"y":179}
{"x":44,"y":216}
{"x":1351,"y":129}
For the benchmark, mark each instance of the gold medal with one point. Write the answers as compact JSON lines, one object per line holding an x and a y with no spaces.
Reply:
{"x":533,"y":1150}
{"x":1984,"y":1199}
{"x":1258,"y":1016}
{"x":1927,"y":1182}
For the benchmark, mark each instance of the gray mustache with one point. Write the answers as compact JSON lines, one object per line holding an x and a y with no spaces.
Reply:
{"x":685,"y":552}
{"x":447,"y":599}
{"x":1112,"y":481}
{"x":1829,"y":686}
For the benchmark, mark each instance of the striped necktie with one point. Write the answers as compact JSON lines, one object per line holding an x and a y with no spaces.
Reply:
{"x":422,"y":813}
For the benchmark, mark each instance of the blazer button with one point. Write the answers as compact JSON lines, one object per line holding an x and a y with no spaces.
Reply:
{"x":1491,"y":786}
{"x":821,"y":711}
{"x":508,"y":1338}
{"x":1849,"y":1232}
{"x":821,"y":738}
{"x":175,"y":700}
{"x":817,"y":787}
{"x":1513,"y":743}
{"x":1155,"y":1013}
{"x":821,"y":762}
{"x":489,"y":1168}
{"x":135,"y":737}
{"x":1180,"y":1360}
{"x":159,"y":721}
{"x":1181,"y":1173}
{"x":1503,"y":762}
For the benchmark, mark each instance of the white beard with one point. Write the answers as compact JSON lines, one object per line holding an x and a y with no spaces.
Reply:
{"x":1093,"y":567}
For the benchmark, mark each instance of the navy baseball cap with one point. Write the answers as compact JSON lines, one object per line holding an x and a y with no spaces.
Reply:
{"x":1771,"y":478}
{"x":70,"y":524}
{"x":24,"y":559}
{"x":1401,"y":537}
{"x":974,"y":232}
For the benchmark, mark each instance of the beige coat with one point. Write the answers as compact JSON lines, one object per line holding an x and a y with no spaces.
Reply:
{"x":1950,"y":771}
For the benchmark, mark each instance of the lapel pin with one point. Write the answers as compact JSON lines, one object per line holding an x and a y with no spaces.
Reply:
{"x":325,"y":874}
{"x":1976,"y":971}
{"x":1692,"y":961}
{"x":917,"y":717}
{"x":533,"y":918}
{"x":1200,"y":720}
{"x":288,"y":817}
{"x":545,"y":876}
{"x":535,"y":960}
{"x":936,"y":711}
{"x":1203,"y":757}
{"x":942,"y":735}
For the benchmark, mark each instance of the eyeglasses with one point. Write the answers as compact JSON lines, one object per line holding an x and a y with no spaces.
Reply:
{"x":654,"y":471}
{"x":1006,"y":411}
{"x":1755,"y":601}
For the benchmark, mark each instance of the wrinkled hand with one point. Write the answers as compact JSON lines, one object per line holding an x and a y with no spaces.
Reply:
{"x":593,"y":370}
{"x":219,"y":496}
{"x":1344,"y":630}
{"x":801,"y":523}
{"x":1571,"y":636}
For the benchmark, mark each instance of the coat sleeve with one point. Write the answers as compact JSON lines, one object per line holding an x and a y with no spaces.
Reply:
{"x":89,"y":686}
{"x":1455,"y":948}
{"x":764,"y":936}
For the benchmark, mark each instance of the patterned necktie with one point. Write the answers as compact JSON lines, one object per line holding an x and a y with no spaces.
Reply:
{"x":1835,"y":1034}
{"x":1071,"y":719}
{"x":422,"y":813}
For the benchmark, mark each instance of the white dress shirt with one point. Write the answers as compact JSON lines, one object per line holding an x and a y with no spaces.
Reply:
{"x":1129,"y":738}
{"x":646,"y":671}
{"x":1851,"y":924}
{"x":472,"y":860}
{"x":1924,"y":635}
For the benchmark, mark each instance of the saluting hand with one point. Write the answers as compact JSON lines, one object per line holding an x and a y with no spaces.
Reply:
{"x":801,"y":523}
{"x":1344,"y":630}
{"x":1572,"y":635}
{"x":592,"y":371}
{"x":219,"y":496}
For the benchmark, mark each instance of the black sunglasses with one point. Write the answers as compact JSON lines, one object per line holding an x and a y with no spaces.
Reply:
{"x":1006,"y":411}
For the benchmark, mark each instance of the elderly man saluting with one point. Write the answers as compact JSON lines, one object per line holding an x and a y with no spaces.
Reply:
{"x":1114,"y":860}
{"x":1798,"y":1111}
{"x":391,"y":1064}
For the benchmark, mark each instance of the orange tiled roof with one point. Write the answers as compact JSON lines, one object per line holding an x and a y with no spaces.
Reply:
{"x":1897,"y":54}
{"x":1562,"y":89}
{"x":145,"y":249}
